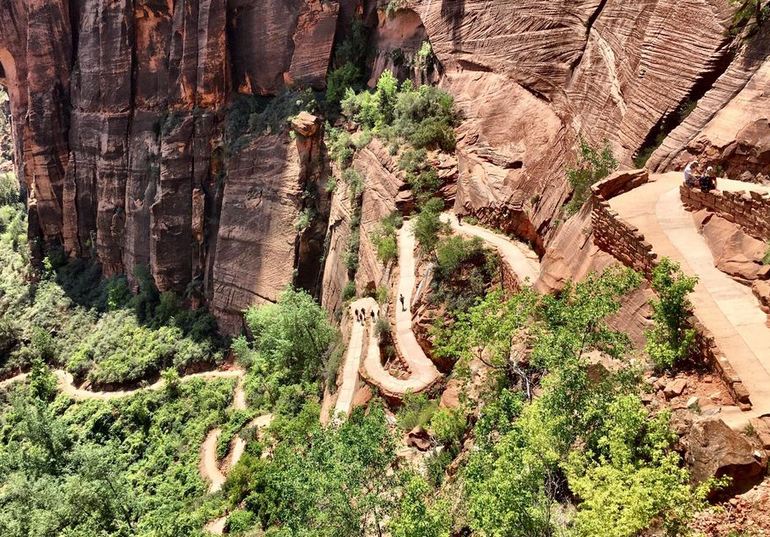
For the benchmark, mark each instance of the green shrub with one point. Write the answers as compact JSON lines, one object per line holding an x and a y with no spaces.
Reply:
{"x":766,"y":258}
{"x":452,"y":252}
{"x":340,"y":80}
{"x":428,"y":225}
{"x":385,"y":240}
{"x":240,"y":521}
{"x":340,"y":145}
{"x":425,"y":116}
{"x":349,"y":291}
{"x":9,"y":190}
{"x":355,"y":182}
{"x":671,"y":337}
{"x":592,"y":166}
{"x":448,"y":426}
{"x":416,"y":411}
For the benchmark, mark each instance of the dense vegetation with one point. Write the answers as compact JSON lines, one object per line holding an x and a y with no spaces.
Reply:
{"x":122,"y":468}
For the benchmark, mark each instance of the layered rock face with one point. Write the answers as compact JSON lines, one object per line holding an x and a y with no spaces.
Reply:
{"x":119,"y":111}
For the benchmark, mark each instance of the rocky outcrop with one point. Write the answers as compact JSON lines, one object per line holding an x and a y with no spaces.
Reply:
{"x":119,"y":112}
{"x":712,"y":449}
{"x":728,"y":127}
{"x":735,"y":252}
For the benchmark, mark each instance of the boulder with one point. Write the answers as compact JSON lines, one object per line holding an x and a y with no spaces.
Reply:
{"x":712,"y":449}
{"x":451,"y":396}
{"x":419,"y":438}
{"x":674,"y":388}
{"x":735,"y":252}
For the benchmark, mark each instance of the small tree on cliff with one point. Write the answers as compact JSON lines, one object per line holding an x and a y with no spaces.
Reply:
{"x":592,"y":166}
{"x":671,"y":337}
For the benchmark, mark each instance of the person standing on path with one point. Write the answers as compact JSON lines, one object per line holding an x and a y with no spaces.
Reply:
{"x":401,"y":297}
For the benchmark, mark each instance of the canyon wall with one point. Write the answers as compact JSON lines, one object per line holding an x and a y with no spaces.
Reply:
{"x":122,"y":112}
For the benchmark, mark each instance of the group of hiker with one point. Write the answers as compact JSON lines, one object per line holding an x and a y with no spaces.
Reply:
{"x":695,"y":177}
{"x":361,"y":315}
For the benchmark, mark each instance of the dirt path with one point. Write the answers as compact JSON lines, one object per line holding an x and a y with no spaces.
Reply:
{"x":350,"y":377}
{"x":423,"y":373}
{"x":519,"y":257}
{"x":728,"y":309}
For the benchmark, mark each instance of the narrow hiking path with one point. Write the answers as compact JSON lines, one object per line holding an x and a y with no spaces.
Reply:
{"x":352,"y":364}
{"x":423,"y":373}
{"x":209,"y":464}
{"x":521,"y":259}
{"x":726,"y":308}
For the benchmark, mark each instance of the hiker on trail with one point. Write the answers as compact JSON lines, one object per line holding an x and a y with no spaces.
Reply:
{"x":372,"y":315}
{"x":690,"y":174}
{"x":459,"y":220}
{"x":708,"y":181}
{"x":358,"y":315}
{"x":401,"y":298}
{"x":363,"y":316}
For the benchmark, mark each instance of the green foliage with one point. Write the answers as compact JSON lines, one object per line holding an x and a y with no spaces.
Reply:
{"x":253,"y":115}
{"x":421,"y":177}
{"x":766,"y":258}
{"x":9,"y":190}
{"x":349,"y":291}
{"x":416,"y":411}
{"x":616,"y":458}
{"x":592,"y":166}
{"x":128,"y":467}
{"x":758,"y":10}
{"x":417,"y":516}
{"x":634,"y":479}
{"x":448,"y":425}
{"x":329,"y":481}
{"x":349,"y":60}
{"x":424,"y":117}
{"x":385,"y":238}
{"x":340,"y":145}
{"x":240,"y":521}
{"x":670,"y":339}
{"x":292,"y":340}
{"x":428,"y":225}
{"x":452,"y":252}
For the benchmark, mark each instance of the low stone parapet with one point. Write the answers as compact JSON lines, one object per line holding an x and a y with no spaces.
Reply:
{"x":750,"y":210}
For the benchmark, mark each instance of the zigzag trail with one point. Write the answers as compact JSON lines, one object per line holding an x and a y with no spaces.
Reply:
{"x":522,"y":261}
{"x":208,"y":465}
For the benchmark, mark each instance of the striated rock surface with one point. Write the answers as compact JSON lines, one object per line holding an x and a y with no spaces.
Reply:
{"x":735,"y":252}
{"x":729,"y":126}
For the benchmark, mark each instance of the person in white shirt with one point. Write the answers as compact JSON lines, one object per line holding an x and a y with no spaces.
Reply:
{"x":690,"y":174}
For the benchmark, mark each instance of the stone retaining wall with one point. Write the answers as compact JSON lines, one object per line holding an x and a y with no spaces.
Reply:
{"x":749,"y":210}
{"x":620,"y":239}
{"x":705,"y":349}
{"x":623,"y":241}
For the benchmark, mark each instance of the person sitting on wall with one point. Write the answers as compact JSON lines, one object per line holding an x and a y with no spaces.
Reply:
{"x":691,"y":173}
{"x":708,"y":181}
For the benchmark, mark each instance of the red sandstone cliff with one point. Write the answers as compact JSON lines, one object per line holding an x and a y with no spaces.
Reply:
{"x":119,"y":117}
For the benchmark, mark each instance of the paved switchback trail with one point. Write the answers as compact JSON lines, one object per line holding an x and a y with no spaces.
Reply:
{"x":350,"y":376}
{"x":520,"y":259}
{"x":423,"y":373}
{"x":725,"y":307}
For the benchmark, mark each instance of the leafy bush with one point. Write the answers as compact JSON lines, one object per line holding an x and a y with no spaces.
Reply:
{"x":671,"y":337}
{"x":766,"y":258}
{"x":416,"y":411}
{"x":448,"y":425}
{"x":385,"y":238}
{"x":240,"y":521}
{"x":9,"y":189}
{"x":424,"y":116}
{"x":452,"y":252}
{"x":428,"y":224}
{"x":419,"y":174}
{"x":592,"y":166}
{"x":292,"y":340}
{"x":349,"y":291}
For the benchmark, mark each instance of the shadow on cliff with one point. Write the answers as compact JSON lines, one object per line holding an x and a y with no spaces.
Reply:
{"x":453,"y":12}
